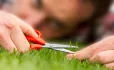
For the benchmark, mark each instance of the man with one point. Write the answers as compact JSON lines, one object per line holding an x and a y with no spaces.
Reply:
{"x":54,"y":18}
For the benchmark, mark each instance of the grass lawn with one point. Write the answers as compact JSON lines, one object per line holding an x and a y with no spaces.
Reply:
{"x":45,"y":59}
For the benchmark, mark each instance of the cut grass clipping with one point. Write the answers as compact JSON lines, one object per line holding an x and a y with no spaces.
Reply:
{"x":45,"y":59}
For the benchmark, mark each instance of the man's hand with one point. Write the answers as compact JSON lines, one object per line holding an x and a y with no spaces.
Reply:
{"x":13,"y":31}
{"x":102,"y":51}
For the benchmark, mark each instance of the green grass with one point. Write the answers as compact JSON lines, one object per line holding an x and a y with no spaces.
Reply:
{"x":45,"y":59}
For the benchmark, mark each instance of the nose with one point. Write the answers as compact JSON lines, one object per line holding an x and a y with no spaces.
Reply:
{"x":33,"y":18}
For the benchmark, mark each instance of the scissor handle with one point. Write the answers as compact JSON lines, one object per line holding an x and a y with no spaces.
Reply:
{"x":35,"y":46}
{"x":38,"y":41}
{"x":39,"y":33}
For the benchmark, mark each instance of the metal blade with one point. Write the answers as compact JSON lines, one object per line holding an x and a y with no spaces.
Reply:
{"x":51,"y":45}
{"x":64,"y":50}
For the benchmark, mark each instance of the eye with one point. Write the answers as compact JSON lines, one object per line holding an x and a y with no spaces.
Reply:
{"x":38,"y":3}
{"x":85,"y":1}
{"x":56,"y":25}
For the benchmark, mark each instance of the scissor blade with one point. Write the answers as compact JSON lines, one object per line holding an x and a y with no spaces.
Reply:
{"x":64,"y":50}
{"x":51,"y":45}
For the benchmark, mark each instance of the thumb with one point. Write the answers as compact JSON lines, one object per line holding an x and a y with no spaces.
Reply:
{"x":81,"y":55}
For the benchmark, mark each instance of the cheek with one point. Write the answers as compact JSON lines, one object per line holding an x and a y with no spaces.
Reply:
{"x":85,"y":11}
{"x":50,"y":33}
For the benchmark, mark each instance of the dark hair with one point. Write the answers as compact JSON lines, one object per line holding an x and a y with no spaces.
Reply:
{"x":101,"y":8}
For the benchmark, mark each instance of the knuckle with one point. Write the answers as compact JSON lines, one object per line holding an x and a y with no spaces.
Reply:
{"x":11,"y":25}
{"x":7,"y":20}
{"x":110,"y":66}
{"x":110,"y":38}
{"x":1,"y":34}
{"x":99,"y":58}
{"x":108,"y":43}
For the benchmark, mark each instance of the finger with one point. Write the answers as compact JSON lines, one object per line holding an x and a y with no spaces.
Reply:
{"x":27,"y":29}
{"x":19,"y":39}
{"x":8,"y":44}
{"x":5,"y":40}
{"x":70,"y":56}
{"x":110,"y":65}
{"x":81,"y":55}
{"x":12,"y":23}
{"x":103,"y":45}
{"x":11,"y":20}
{"x":103,"y":57}
{"x":18,"y":28}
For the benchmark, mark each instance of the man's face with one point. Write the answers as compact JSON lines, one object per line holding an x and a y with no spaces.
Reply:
{"x":54,"y":18}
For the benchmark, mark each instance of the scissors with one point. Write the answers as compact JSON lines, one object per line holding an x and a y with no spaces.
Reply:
{"x":38,"y":43}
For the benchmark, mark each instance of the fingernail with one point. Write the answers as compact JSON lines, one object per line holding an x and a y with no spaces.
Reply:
{"x":70,"y":56}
